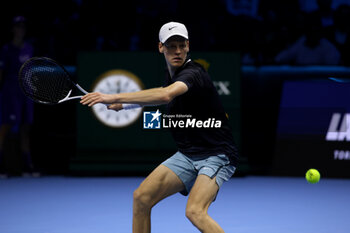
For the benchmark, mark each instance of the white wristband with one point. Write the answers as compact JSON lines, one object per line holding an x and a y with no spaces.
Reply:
{"x":131,"y":106}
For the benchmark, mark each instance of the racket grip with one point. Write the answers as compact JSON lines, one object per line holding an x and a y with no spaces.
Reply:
{"x":131,"y":106}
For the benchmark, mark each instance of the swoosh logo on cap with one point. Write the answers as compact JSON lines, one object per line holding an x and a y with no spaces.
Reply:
{"x":172,"y":28}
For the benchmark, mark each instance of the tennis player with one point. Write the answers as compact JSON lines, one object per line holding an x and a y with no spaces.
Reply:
{"x":206,"y":157}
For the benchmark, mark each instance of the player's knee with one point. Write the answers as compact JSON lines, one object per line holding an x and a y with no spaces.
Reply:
{"x":141,"y":199}
{"x":195,"y":214}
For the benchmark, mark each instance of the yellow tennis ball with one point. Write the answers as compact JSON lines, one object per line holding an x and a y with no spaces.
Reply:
{"x":312,"y":176}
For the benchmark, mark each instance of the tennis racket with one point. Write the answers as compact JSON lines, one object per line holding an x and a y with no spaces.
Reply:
{"x":45,"y":81}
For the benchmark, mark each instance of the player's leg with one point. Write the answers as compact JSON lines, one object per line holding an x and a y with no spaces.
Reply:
{"x":202,"y":194}
{"x":161,"y":183}
{"x":212,"y":173}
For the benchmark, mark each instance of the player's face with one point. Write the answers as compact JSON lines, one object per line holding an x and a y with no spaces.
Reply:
{"x":175,"y":51}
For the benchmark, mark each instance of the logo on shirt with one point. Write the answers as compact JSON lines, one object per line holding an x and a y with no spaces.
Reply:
{"x":152,"y":120}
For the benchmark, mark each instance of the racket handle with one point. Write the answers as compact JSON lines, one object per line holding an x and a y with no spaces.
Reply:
{"x":131,"y":106}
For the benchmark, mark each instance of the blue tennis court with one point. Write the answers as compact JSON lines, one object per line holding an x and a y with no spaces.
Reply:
{"x":104,"y":205}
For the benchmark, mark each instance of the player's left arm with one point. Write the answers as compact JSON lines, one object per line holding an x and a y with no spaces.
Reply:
{"x":153,"y":96}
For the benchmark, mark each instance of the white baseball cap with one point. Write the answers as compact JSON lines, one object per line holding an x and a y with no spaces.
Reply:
{"x":172,"y":29}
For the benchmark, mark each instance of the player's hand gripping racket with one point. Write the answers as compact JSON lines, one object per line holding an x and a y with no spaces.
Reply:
{"x":45,"y":81}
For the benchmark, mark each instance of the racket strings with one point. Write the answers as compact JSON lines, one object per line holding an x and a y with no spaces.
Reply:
{"x":44,"y":81}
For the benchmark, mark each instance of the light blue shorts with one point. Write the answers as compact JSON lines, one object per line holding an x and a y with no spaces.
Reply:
{"x":188,"y":168}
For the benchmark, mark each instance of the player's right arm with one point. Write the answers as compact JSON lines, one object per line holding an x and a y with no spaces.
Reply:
{"x":154,"y":96}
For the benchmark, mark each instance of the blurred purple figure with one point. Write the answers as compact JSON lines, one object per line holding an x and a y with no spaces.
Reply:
{"x":16,"y":110}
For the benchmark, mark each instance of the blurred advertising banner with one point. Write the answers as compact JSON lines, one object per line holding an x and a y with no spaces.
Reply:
{"x":313,"y":128}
